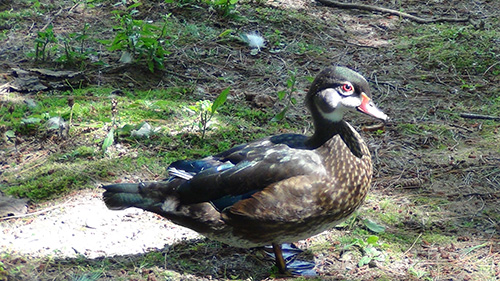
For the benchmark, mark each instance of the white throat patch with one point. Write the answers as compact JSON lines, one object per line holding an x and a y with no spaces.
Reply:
{"x":336,"y":115}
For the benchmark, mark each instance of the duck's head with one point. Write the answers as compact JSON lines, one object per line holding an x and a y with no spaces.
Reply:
{"x":337,"y":90}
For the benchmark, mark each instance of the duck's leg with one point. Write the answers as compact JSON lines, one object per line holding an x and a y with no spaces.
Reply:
{"x":288,"y":263}
{"x":280,"y":261}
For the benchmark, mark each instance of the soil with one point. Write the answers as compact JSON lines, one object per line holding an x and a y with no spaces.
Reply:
{"x":465,"y":175}
{"x":81,"y":225}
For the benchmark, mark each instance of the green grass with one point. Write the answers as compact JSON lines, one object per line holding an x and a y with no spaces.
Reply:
{"x":80,"y":165}
{"x":60,"y":174}
{"x":462,"y":49}
{"x":438,"y":238}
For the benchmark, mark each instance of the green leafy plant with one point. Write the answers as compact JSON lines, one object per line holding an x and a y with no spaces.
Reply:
{"x":206,"y":109}
{"x":67,"y":49}
{"x":276,"y":40}
{"x":139,"y":39}
{"x":370,"y":253}
{"x":74,"y":49}
{"x":44,"y":38}
{"x":420,"y":274}
{"x":226,"y":7}
{"x":287,"y":96}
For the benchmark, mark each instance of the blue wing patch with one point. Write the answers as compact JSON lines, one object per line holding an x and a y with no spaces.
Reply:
{"x":229,"y":200}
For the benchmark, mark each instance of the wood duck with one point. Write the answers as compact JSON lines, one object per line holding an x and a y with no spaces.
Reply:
{"x":279,"y":189}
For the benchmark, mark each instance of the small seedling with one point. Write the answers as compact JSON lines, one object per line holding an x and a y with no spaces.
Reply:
{"x":207,"y":109}
{"x":74,"y":51}
{"x":287,"y":96}
{"x":44,"y":38}
{"x":367,"y":248}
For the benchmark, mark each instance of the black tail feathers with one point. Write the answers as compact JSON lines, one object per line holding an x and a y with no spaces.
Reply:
{"x":123,"y":195}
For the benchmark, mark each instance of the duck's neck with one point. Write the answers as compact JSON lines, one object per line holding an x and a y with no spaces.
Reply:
{"x":325,"y":131}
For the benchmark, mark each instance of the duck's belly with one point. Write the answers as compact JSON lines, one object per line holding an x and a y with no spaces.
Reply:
{"x":248,"y":237}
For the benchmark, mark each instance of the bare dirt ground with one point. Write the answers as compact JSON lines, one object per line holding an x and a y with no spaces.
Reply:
{"x":81,"y":225}
{"x":413,"y":171}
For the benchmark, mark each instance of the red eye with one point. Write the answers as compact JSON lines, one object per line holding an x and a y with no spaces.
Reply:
{"x":347,"y":87}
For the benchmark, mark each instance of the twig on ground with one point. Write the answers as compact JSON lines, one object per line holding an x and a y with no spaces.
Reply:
{"x":370,"y":8}
{"x":373,"y":128}
{"x":489,"y":194}
{"x":461,"y":127}
{"x":412,"y":245}
{"x":491,"y":66}
{"x":479,"y":116}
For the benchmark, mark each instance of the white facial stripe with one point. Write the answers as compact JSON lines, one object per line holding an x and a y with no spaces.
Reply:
{"x":351,"y":102}
{"x":339,"y":104}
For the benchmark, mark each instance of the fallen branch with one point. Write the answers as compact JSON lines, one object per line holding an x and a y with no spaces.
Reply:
{"x":478,"y":116}
{"x":370,"y":8}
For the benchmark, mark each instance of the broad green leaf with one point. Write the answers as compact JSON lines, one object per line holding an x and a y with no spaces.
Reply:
{"x":76,"y":107}
{"x":10,"y":134}
{"x":373,"y":226}
{"x":372,"y":239}
{"x":280,"y":115}
{"x":108,"y":141}
{"x":135,"y":5}
{"x":226,"y":33}
{"x":126,"y":129}
{"x":364,"y":260}
{"x":281,"y":95}
{"x":372,"y":251}
{"x":220,"y":100}
{"x":104,"y":41}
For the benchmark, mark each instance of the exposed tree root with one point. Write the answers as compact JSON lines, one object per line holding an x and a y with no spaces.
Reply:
{"x":370,"y":8}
